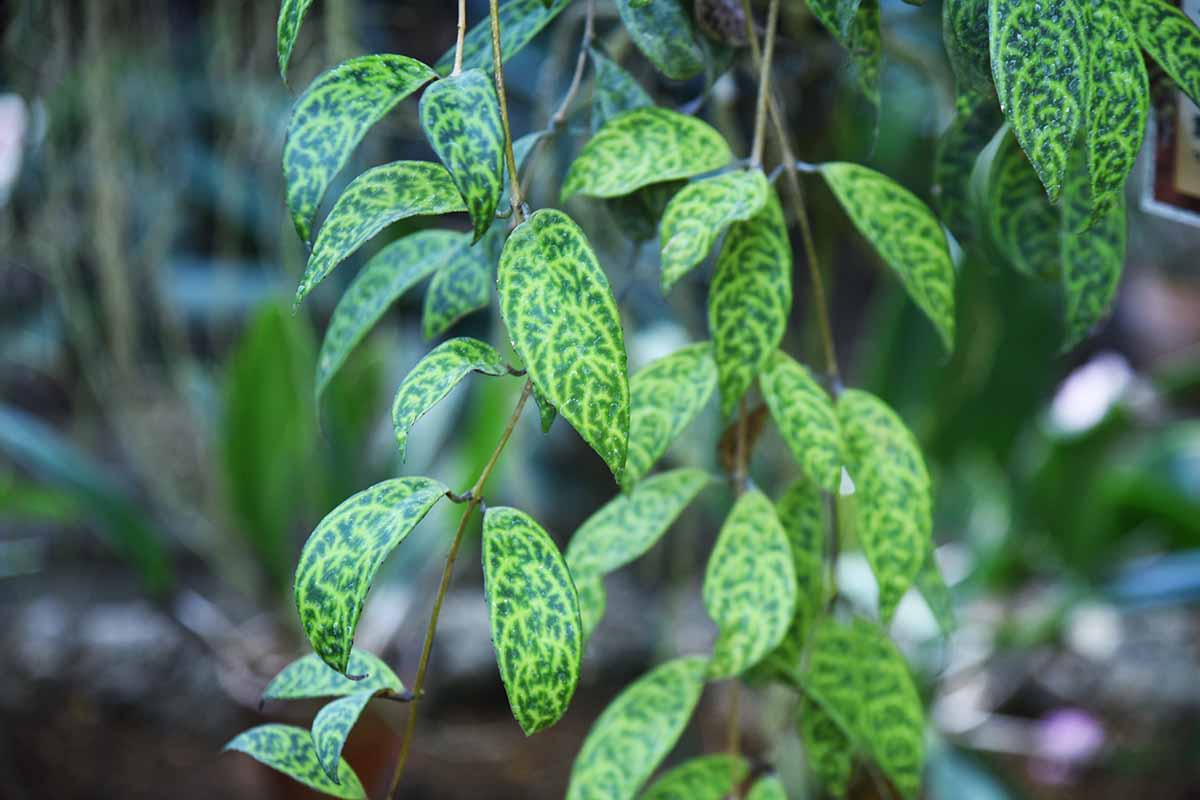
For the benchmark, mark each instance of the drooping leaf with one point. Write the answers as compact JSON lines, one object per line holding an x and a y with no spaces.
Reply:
{"x":463,"y":283}
{"x":749,"y":586}
{"x":641,"y":147}
{"x":311,"y":677}
{"x":332,"y":725}
{"x":628,"y":525}
{"x":965,"y":34}
{"x":665,"y":396}
{"x":290,"y":750}
{"x":933,"y":588}
{"x":700,"y":212}
{"x":520,"y":21}
{"x":663,"y":31}
{"x":1171,"y":39}
{"x":801,"y":511}
{"x":1024,"y":227}
{"x":534,"y":613}
{"x":331,"y":118}
{"x":749,"y":300}
{"x":767,"y":788}
{"x":855,"y":25}
{"x":375,"y":199}
{"x":592,"y":600}
{"x":461,"y":119}
{"x":711,"y":777}
{"x":435,"y":375}
{"x":629,"y":740}
{"x":614,"y":91}
{"x":976,"y":120}
{"x":340,"y":559}
{"x":563,"y":322}
{"x":828,"y":748}
{"x":803,"y":410}
{"x":893,"y":493}
{"x":287,"y":28}
{"x":906,"y":235}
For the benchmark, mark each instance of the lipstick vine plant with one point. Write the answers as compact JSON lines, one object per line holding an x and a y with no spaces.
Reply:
{"x":1062,"y":87}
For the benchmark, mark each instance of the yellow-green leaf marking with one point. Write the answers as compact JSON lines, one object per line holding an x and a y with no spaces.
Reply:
{"x":287,"y":28}
{"x":1171,"y":39}
{"x":311,"y":677}
{"x":520,"y":21}
{"x":331,"y":118}
{"x":290,"y":750}
{"x":563,"y":322}
{"x":663,"y":31}
{"x":767,"y":788}
{"x":906,"y":235}
{"x":534,"y":613}
{"x":614,"y":91}
{"x":700,"y":212}
{"x":704,"y":778}
{"x":340,"y":559}
{"x":976,"y":120}
{"x":855,"y":24}
{"x":641,"y":147}
{"x":463,"y":283}
{"x":1024,"y":227}
{"x":332,"y":725}
{"x":629,"y":740}
{"x":965,"y":34}
{"x":828,"y":748}
{"x":804,"y":413}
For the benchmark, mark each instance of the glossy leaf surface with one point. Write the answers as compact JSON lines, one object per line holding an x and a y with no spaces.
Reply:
{"x":804,"y":412}
{"x":290,"y":750}
{"x":311,"y":677}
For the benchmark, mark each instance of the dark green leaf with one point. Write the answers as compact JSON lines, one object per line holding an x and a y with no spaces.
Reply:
{"x":291,"y":14}
{"x":463,"y":283}
{"x":704,"y":778}
{"x":1024,"y":227}
{"x":332,"y":725}
{"x":546,"y":410}
{"x":663,"y":31}
{"x":311,"y":677}
{"x":975,"y":122}
{"x":520,"y":21}
{"x":637,"y":215}
{"x":803,"y":410}
{"x":828,"y":748}
{"x":1171,"y":38}
{"x":614,"y":91}
{"x":965,"y":34}
{"x":855,"y":24}
{"x":290,"y":750}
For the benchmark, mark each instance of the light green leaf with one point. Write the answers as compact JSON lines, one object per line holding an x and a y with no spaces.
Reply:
{"x":520,"y":21}
{"x":461,"y":119}
{"x":463,"y":283}
{"x":933,"y":588}
{"x":976,"y":121}
{"x":534,"y":613}
{"x":641,"y":147}
{"x":340,"y":559}
{"x":332,"y":725}
{"x":375,"y":199}
{"x":803,"y":410}
{"x":828,"y":748}
{"x":855,"y":25}
{"x":906,"y":235}
{"x":614,"y":91}
{"x":663,"y":31}
{"x":291,"y":14}
{"x":965,"y":34}
{"x":1171,"y":39}
{"x":893,"y":493}
{"x":700,"y":212}
{"x":703,"y":778}
{"x":749,"y":300}
{"x":563,"y":322}
{"x":628,"y":525}
{"x":290,"y":750}
{"x":749,"y":586}
{"x":387,"y":276}
{"x":1024,"y":227}
{"x":592,"y":600}
{"x":629,"y":740}
{"x":311,"y":677}
{"x":331,"y":118}
{"x":767,"y":788}
{"x":665,"y":396}
{"x":1039,"y":54}
{"x":1092,"y":258}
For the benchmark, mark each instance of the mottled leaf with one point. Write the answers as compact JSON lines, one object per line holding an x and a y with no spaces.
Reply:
{"x":534,"y":613}
{"x":332,"y":725}
{"x":855,"y":24}
{"x":965,"y":34}
{"x":976,"y":120}
{"x":340,"y":559}
{"x":933,"y":588}
{"x":614,"y":91}
{"x":287,"y":28}
{"x":703,"y":778}
{"x":828,"y":748}
{"x":767,"y":788}
{"x":290,"y":750}
{"x":803,"y":410}
{"x":311,"y":677}
{"x":592,"y":601}
{"x":1023,"y":225}
{"x":1171,"y":39}
{"x":801,"y":511}
{"x":520,"y":21}
{"x":563,"y":322}
{"x":331,"y":118}
{"x":663,"y":31}
{"x":463,"y":283}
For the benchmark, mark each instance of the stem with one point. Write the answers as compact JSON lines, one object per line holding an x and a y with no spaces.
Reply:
{"x":515,"y":197}
{"x":462,"y":32}
{"x":764,"y":82}
{"x":589,"y":32}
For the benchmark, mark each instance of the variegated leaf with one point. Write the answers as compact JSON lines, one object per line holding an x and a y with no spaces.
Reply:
{"x":976,"y":120}
{"x":287,"y":28}
{"x":592,"y":601}
{"x":663,"y":31}
{"x":965,"y":34}
{"x":1171,"y":39}
{"x":463,"y":283}
{"x":828,"y":748}
{"x":1024,"y":227}
{"x":767,"y":788}
{"x":332,"y":726}
{"x":290,"y":750}
{"x":1092,"y":259}
{"x":801,"y":511}
{"x":703,"y":778}
{"x":520,"y":21}
{"x":614,"y":91}
{"x":803,"y":410}
{"x":311,"y":677}
{"x":855,"y":24}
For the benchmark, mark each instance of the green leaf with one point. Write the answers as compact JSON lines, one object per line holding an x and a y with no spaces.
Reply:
{"x":893,"y":493}
{"x":965,"y":34}
{"x":332,"y":725}
{"x":933,"y":588}
{"x":749,"y":300}
{"x":749,"y":586}
{"x":700,"y":212}
{"x":855,"y":25}
{"x":1024,"y":227}
{"x":461,"y":119}
{"x":290,"y":750}
{"x":1171,"y":39}
{"x":637,"y":215}
{"x":546,"y":410}
{"x":703,"y":778}
{"x":375,"y":199}
{"x":434,"y":376}
{"x":311,"y":677}
{"x":563,"y":322}
{"x":592,"y":600}
{"x":340,"y":559}
{"x":628,"y":525}
{"x":906,"y":235}
{"x":665,"y":396}
{"x":463,"y":283}
{"x":801,"y":511}
{"x":767,"y":788}
{"x":534,"y":613}
{"x":975,"y":123}
{"x":614,"y":91}
{"x":828,"y":748}
{"x":641,"y":147}
{"x":331,"y":118}
{"x":1039,"y":63}
{"x":520,"y":21}
{"x":629,"y":740}
{"x":387,"y":276}
{"x":291,"y":14}
{"x":804,"y":412}
{"x":663,"y":31}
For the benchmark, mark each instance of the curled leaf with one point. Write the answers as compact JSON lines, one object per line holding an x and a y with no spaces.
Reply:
{"x":332,"y":726}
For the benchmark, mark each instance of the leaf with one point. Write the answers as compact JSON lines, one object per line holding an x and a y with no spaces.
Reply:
{"x":749,"y":586}
{"x":637,"y":215}
{"x":749,"y":300}
{"x":628,"y":525}
{"x":1171,"y":39}
{"x":629,"y":740}
{"x":801,"y":511}
{"x":804,"y":412}
{"x":975,"y":123}
{"x":663,"y":31}
{"x":906,"y":235}
{"x":665,"y":396}
{"x":462,"y":284}
{"x":767,"y":788}
{"x":340,"y":559}
{"x":546,"y":411}
{"x":702,"y":778}
{"x":434,"y":376}
{"x":311,"y":677}
{"x":387,"y":276}
{"x":332,"y":725}
{"x":520,"y":21}
{"x":1023,"y":225}
{"x":965,"y":34}
{"x":933,"y":588}
{"x":1039,"y":63}
{"x":641,"y":147}
{"x":855,"y":25}
{"x":893,"y":493}
{"x":828,"y":748}
{"x":592,"y":600}
{"x":534,"y":613}
{"x":700,"y":212}
{"x":563,"y":322}
{"x":461,"y":119}
{"x":375,"y":199}
{"x":290,"y":750}
{"x":291,"y":14}
{"x":614,"y":91}
{"x":331,"y":118}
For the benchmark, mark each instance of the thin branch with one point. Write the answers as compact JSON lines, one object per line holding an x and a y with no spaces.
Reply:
{"x":462,"y":32}
{"x":589,"y":32}
{"x":764,"y":83}
{"x":515,"y":198}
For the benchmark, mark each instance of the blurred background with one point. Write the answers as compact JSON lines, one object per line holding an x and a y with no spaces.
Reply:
{"x":162,"y":459}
